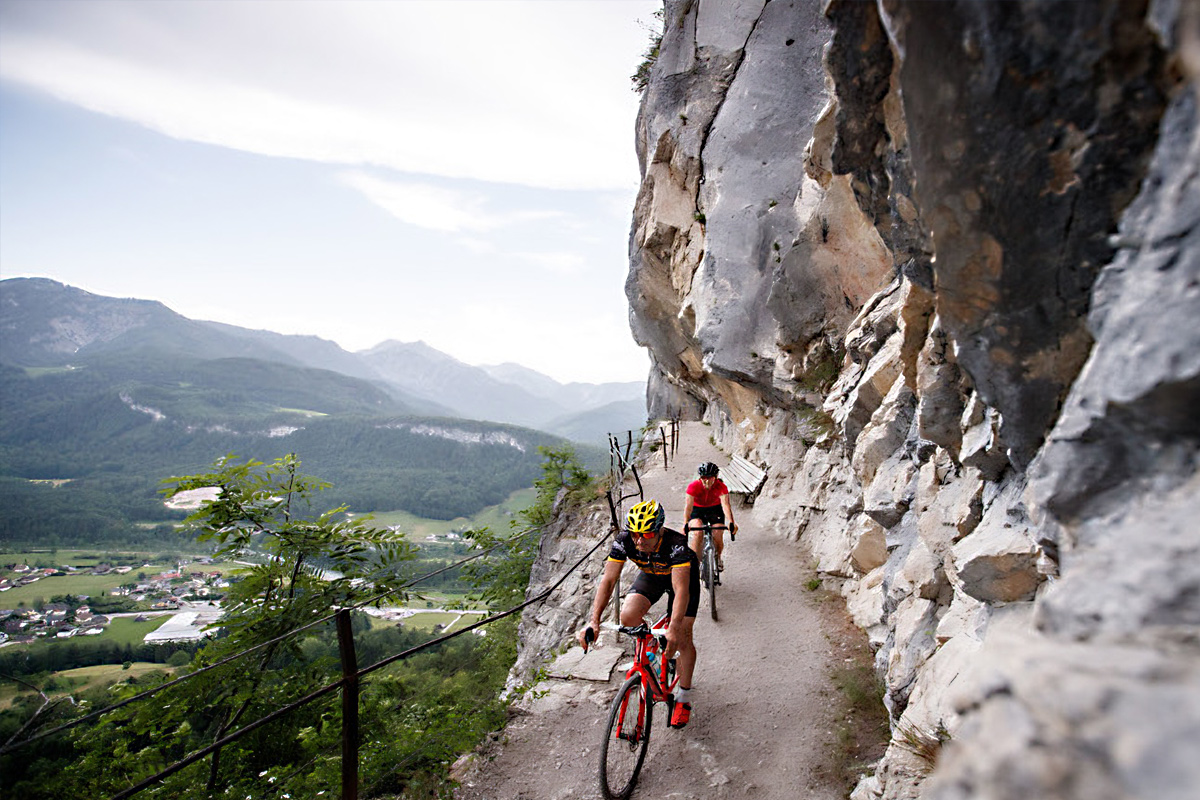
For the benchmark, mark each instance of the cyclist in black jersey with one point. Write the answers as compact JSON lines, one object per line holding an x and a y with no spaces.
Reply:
{"x":666,"y":564}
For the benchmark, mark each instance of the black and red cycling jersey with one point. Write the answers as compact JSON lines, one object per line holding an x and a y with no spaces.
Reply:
{"x":672,"y":552}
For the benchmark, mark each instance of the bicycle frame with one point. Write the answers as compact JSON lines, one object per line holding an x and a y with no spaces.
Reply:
{"x":623,"y":748}
{"x":708,"y":561}
{"x":646,"y":641}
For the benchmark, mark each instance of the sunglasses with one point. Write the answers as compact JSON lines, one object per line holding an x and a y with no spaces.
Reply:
{"x":646,"y":535}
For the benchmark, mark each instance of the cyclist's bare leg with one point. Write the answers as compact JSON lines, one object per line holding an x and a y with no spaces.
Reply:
{"x":634,"y":609}
{"x":719,"y":540}
{"x":695,"y":532}
{"x":686,"y":663}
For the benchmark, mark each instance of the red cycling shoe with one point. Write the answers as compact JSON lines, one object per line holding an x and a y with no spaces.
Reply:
{"x":680,"y":715}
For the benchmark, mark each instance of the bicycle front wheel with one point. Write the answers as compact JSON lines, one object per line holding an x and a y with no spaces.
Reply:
{"x":710,"y":566}
{"x":625,"y":740}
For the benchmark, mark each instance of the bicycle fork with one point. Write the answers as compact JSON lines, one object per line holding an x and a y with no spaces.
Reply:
{"x":634,"y":736}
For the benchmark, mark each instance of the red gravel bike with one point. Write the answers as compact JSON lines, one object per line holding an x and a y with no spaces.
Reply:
{"x":651,"y":679}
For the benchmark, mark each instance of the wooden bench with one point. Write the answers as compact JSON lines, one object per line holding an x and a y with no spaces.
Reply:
{"x":743,"y":478}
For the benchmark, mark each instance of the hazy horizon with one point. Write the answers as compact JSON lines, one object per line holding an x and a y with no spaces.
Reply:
{"x":461,"y":173}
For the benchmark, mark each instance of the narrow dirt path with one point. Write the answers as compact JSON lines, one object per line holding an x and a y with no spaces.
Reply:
{"x":764,"y":708}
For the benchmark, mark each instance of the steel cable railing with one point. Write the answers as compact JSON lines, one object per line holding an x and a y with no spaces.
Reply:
{"x":10,"y":746}
{"x":280,"y":712}
{"x":348,"y":678}
{"x":621,"y":456}
{"x":352,"y":674}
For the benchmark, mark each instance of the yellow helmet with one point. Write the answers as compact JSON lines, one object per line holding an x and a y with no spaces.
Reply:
{"x":645,"y":519}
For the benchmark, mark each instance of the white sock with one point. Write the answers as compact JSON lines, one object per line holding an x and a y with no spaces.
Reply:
{"x":681,"y":695}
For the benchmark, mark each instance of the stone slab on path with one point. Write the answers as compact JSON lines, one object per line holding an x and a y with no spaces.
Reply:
{"x":595,"y":665}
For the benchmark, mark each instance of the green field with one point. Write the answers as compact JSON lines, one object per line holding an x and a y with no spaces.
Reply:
{"x":441,"y":599}
{"x":86,"y":584}
{"x":121,"y":631}
{"x":495,"y":517}
{"x":80,"y":585}
{"x":427,"y":621}
{"x":127,"y":630}
{"x":73,"y":681}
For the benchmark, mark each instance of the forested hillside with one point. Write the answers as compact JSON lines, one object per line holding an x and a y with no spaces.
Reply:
{"x":82,"y":451}
{"x":103,"y":398}
{"x":45,"y":324}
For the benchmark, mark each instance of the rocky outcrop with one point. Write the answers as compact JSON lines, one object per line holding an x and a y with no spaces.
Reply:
{"x":938,"y":265}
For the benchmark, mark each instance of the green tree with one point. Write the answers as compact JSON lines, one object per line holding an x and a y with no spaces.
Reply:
{"x":180,"y":659}
{"x":416,"y":714}
{"x":312,"y":563}
{"x":503,"y":577}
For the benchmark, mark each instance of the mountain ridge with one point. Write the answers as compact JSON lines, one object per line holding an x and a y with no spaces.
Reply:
{"x":48,"y":324}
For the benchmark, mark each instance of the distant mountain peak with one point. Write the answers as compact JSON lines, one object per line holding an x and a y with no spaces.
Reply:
{"x":49,"y":324}
{"x":395,"y":345}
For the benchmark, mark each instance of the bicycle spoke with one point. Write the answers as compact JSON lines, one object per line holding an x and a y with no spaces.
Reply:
{"x":625,"y":740}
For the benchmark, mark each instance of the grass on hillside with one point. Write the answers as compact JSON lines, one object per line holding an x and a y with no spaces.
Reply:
{"x":302,"y":411}
{"x":495,"y":517}
{"x":74,"y":681}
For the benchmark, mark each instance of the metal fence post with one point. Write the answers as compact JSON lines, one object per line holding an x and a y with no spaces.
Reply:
{"x":349,"y":706}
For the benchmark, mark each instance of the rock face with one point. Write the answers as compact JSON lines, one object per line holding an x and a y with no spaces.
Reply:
{"x":938,"y":266}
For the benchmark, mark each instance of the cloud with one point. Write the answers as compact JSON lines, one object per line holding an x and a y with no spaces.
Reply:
{"x":435,"y":207}
{"x":524,"y":93}
{"x":566,"y":264}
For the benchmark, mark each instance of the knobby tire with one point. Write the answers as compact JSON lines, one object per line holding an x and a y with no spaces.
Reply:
{"x":625,"y":740}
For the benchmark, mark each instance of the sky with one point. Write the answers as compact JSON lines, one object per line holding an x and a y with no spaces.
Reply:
{"x":459,"y":172}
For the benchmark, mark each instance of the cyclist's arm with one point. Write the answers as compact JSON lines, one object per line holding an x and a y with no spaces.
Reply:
{"x":728,"y":509}
{"x":608,"y":582}
{"x":681,"y":585}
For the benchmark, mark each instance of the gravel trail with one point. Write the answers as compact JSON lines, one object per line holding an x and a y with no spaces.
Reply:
{"x":764,"y":708}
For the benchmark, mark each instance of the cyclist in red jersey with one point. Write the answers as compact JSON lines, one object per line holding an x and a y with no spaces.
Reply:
{"x":666,"y":564}
{"x":708,"y":501}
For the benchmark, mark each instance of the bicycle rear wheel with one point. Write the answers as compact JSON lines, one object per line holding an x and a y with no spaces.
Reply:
{"x":625,"y":740}
{"x":710,"y":567}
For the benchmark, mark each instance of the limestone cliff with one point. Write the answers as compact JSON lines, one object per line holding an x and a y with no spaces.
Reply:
{"x":937,"y":264}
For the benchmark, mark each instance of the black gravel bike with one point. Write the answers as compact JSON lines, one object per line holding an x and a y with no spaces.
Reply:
{"x":710,"y":573}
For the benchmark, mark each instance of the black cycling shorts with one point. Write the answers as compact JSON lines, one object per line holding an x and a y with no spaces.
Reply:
{"x":711,"y":514}
{"x":652,"y":587}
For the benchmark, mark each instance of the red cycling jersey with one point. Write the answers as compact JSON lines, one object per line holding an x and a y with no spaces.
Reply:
{"x":702,"y":497}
